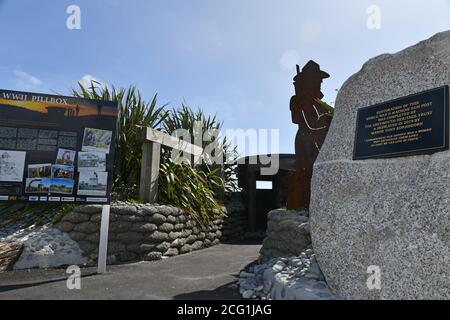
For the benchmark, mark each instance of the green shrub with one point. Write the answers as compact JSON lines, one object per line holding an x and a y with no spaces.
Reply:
{"x":190,"y":189}
{"x":186,"y":118}
{"x":193,"y":189}
{"x":133,"y":111}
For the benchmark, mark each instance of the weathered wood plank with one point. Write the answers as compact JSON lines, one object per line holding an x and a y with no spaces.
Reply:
{"x":151,"y":156}
{"x":153,"y":135}
{"x":148,"y":185}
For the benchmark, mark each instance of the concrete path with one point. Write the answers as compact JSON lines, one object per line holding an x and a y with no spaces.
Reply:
{"x":205,"y":274}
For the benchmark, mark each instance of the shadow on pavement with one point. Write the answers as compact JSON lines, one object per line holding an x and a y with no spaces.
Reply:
{"x":36,"y":284}
{"x":229,"y":291}
{"x":246,"y":241}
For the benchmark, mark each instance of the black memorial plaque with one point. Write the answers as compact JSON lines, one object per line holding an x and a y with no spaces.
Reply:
{"x":56,"y":148}
{"x":416,"y":124}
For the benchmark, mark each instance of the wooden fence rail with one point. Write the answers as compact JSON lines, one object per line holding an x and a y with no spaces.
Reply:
{"x":152,"y":140}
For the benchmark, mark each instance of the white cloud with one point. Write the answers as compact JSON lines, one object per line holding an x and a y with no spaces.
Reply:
{"x":87,"y":79}
{"x":26,"y":80}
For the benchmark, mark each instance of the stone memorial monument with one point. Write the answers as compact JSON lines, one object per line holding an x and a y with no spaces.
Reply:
{"x":380,"y":201}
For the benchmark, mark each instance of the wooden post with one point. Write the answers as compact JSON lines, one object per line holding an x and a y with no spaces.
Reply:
{"x":252,"y":200}
{"x":103,"y":244}
{"x":151,"y":155}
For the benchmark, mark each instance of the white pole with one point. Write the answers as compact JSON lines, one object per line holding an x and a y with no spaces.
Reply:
{"x":103,"y":244}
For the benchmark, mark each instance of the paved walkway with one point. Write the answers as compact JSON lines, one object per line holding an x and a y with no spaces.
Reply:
{"x":204,"y":274}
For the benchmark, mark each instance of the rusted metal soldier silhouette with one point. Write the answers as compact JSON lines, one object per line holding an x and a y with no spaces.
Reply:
{"x":313,"y":122}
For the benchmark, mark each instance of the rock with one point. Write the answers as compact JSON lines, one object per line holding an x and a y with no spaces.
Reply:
{"x":178,"y":243}
{"x":77,"y":236}
{"x":287,"y":288}
{"x":259,"y":288}
{"x":197,"y":245}
{"x":158,"y":218}
{"x":127,"y":256}
{"x":178,"y":227}
{"x":312,"y":276}
{"x":202,"y":236}
{"x":186,"y":233}
{"x":76,"y":217}
{"x":129,"y":237}
{"x":296,"y":262}
{"x":171,"y":252}
{"x":392,"y":213}
{"x":248,"y":294}
{"x":190,"y":224}
{"x":115,"y":247}
{"x":153,"y":256}
{"x":278,"y":267}
{"x":119,"y":226}
{"x":111,"y":259}
{"x":288,"y":234}
{"x":176,"y":212}
{"x":174,"y":235}
{"x":133,"y":218}
{"x":147,"y":211}
{"x":244,"y":274}
{"x":171,"y":219}
{"x":93,"y":237}
{"x":144,"y":227}
{"x":136,"y":248}
{"x":281,"y":215}
{"x":191,"y":239}
{"x":65,"y":226}
{"x":166,"y":227}
{"x":89,"y":209}
{"x":146,"y":247}
{"x":314,"y":268}
{"x":268,"y":279}
{"x":9,"y":253}
{"x":124,"y":209}
{"x":163,"y":247}
{"x":320,"y":285}
{"x":165,"y":210}
{"x":277,"y":278}
{"x":185,"y":249}
{"x":86,"y":227}
{"x":97,"y":218}
{"x":87,"y":247}
{"x":47,"y":247}
{"x":157,"y":236}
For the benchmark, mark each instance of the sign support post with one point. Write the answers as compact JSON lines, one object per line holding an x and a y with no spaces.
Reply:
{"x":103,"y":244}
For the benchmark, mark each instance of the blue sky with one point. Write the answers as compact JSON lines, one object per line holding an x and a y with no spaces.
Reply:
{"x":235,"y":58}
